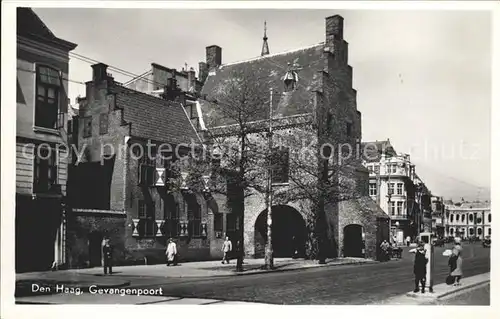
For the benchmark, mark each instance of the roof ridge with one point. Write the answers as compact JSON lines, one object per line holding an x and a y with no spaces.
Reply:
{"x":272,"y":55}
{"x":119,"y":85}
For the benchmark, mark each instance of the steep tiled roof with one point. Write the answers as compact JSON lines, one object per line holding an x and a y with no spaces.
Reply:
{"x":365,"y":205}
{"x":154,"y":118}
{"x":372,"y":151}
{"x":30,"y":25}
{"x":269,"y":70}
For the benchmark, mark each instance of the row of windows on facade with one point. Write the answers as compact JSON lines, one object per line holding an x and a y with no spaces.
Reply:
{"x":373,"y":189}
{"x":471,"y":231}
{"x":375,"y":168}
{"x":87,"y":125}
{"x":473,"y":218}
{"x":48,"y":92}
{"x":147,"y":222}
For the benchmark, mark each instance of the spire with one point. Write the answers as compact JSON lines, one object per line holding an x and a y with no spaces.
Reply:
{"x":265,"y":46}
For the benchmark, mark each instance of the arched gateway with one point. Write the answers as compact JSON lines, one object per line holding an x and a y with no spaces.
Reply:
{"x":353,"y":241}
{"x":289,"y":232}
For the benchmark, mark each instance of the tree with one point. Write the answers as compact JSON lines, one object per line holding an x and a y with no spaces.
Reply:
{"x":234,"y":122}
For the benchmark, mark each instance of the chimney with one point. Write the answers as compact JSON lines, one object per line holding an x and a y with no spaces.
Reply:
{"x":203,"y":72}
{"x":191,"y":80}
{"x":99,"y":72}
{"x":334,"y":42}
{"x":335,"y":27}
{"x":214,"y":56}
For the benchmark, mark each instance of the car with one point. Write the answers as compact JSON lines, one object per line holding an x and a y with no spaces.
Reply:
{"x":487,"y":242}
{"x":439,"y":242}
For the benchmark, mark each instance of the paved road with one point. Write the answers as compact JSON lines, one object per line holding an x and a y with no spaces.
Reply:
{"x":359,"y":284}
{"x":476,"y":297}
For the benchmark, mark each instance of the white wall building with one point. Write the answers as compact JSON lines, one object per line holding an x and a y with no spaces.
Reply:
{"x":468,"y":219}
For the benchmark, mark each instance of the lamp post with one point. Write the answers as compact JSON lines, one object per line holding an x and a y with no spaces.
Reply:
{"x":269,"y":260}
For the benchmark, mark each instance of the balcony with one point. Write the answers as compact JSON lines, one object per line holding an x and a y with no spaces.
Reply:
{"x":399,"y":217}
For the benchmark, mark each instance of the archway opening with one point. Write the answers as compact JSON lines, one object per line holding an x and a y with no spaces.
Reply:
{"x":288,"y":229}
{"x":353,"y":241}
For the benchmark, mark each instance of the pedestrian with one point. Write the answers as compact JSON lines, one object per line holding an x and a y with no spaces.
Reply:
{"x":227,"y":247}
{"x":420,"y":267}
{"x":239,"y":256}
{"x":408,"y":241}
{"x":107,"y":252}
{"x":455,"y":264}
{"x":171,"y":252}
{"x":385,"y":250}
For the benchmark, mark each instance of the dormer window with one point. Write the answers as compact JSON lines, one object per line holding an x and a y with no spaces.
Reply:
{"x":290,"y":80}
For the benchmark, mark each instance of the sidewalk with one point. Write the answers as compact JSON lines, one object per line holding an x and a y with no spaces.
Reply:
{"x":440,"y":291}
{"x":83,"y":278}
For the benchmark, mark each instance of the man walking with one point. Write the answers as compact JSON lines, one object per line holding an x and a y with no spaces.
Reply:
{"x":107,"y":252}
{"x":420,"y":267}
{"x":227,"y":247}
{"x":171,"y":252}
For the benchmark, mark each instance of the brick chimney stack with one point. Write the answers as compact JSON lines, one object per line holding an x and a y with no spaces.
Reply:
{"x":213,"y":56}
{"x":99,"y":72}
{"x":334,"y":42}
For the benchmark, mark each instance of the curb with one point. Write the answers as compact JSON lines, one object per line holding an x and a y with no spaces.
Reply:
{"x":23,"y":288}
{"x":462,"y":288}
{"x":302,"y":268}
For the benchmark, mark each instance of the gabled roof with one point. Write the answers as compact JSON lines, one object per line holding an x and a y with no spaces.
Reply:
{"x":31,"y":26}
{"x":154,"y":118}
{"x":372,"y":151}
{"x":270,"y":71}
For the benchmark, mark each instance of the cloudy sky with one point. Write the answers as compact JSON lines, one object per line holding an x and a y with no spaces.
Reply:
{"x":423,"y":77}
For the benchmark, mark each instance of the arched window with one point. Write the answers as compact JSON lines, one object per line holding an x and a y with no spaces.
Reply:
{"x":489,"y":218}
{"x":451,"y":230}
{"x":463,"y":218}
{"x":479,"y":231}
{"x":451,"y":218}
{"x":479,"y":220}
{"x":471,"y":218}
{"x":471,"y":231}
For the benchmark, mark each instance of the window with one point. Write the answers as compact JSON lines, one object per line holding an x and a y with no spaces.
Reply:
{"x":479,"y":220}
{"x":87,"y":126}
{"x":290,"y":81}
{"x":45,"y":170}
{"x":463,"y":218}
{"x":48,"y":84}
{"x":489,"y":218}
{"x":373,"y":189}
{"x":479,"y":231}
{"x":370,"y":168}
{"x":451,"y":218}
{"x":349,"y":129}
{"x":391,"y":188}
{"x":489,"y":231}
{"x":103,"y":123}
{"x":471,"y":231}
{"x":471,"y":218}
{"x":280,"y":165}
{"x":400,"y":208}
{"x":394,"y":168}
{"x":392,"y":208}
{"x":171,"y":226}
{"x":147,"y":167}
{"x":218,"y":222}
{"x":146,"y":214}
{"x":194,"y":216}
{"x":400,"y":189}
{"x":376,"y":168}
{"x":451,"y":231}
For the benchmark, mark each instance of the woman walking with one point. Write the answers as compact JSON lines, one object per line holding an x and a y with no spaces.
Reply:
{"x":455,"y":263}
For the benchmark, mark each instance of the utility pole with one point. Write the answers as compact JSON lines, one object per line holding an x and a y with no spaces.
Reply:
{"x":269,"y":202}
{"x":389,"y":167}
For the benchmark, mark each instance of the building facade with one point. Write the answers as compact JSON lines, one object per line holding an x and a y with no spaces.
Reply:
{"x":396,"y":187}
{"x":312,"y":100}
{"x":468,"y":220}
{"x":123,"y":139}
{"x":41,"y":143}
{"x":438,"y":213}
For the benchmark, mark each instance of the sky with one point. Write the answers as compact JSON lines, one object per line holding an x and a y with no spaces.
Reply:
{"x":423,"y":77}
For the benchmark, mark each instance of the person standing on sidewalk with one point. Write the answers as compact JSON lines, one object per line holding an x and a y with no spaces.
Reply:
{"x":239,"y":256}
{"x":420,"y":267}
{"x":227,"y":247}
{"x":107,"y":252}
{"x":455,"y":263}
{"x":171,"y":252}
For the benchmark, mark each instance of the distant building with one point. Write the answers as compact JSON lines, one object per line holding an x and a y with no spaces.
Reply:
{"x":438,"y":214}
{"x":41,"y":144}
{"x":468,"y":219}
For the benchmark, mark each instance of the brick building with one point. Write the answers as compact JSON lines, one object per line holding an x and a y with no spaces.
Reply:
{"x":41,"y":145}
{"x":114,"y":189}
{"x":313,"y":98}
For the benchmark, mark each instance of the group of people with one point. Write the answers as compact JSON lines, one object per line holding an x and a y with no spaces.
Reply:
{"x":420,"y":266}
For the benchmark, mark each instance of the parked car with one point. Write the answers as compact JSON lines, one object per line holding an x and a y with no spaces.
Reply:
{"x":439,"y":242}
{"x":487,"y":242}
